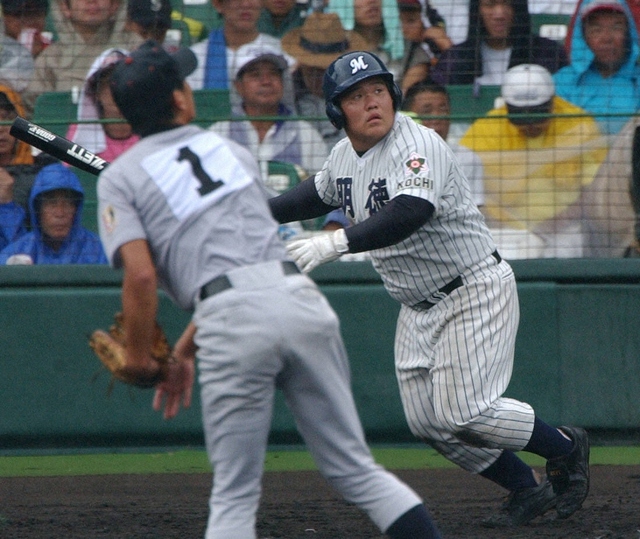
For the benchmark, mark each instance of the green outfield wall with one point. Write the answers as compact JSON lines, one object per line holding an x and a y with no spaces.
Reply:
{"x":577,"y":353}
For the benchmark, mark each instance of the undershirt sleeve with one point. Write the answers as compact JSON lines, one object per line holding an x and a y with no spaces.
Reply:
{"x":300,"y":203}
{"x":396,"y":221}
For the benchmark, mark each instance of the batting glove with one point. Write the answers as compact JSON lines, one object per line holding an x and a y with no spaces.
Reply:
{"x":311,"y":252}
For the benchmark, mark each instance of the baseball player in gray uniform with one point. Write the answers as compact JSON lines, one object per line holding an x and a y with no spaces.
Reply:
{"x":185,"y":209}
{"x":411,"y":207}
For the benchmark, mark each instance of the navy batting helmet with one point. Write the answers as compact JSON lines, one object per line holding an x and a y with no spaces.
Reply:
{"x":348,"y":70}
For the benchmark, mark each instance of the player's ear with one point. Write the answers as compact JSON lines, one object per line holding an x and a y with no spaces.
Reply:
{"x":180,"y":100}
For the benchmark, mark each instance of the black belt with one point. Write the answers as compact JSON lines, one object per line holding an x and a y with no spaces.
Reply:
{"x":449,"y":287}
{"x":222,"y":282}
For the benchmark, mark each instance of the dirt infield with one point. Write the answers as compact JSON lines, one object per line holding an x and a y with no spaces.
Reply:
{"x":296,"y":505}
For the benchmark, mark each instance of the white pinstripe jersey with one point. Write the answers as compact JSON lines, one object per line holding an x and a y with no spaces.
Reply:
{"x":410,"y":160}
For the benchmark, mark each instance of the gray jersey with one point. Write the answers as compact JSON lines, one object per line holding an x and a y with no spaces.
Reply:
{"x":193,"y":183}
{"x":195,"y":197}
{"x":410,"y":160}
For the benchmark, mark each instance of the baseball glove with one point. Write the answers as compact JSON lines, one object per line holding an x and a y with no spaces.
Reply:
{"x":110,"y":349}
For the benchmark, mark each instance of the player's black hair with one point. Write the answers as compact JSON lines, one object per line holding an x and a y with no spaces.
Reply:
{"x":148,"y":71}
{"x":160,"y":119}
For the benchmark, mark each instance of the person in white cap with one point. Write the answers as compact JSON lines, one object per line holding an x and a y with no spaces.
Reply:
{"x":603,"y":73}
{"x":259,"y":82}
{"x":227,"y":47}
{"x":539,"y":152}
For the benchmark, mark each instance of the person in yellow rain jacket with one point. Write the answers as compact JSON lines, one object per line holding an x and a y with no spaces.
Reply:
{"x":539,"y":152}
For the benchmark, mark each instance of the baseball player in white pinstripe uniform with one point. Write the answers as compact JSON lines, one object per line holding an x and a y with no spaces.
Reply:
{"x":411,"y":207}
{"x":186,"y":209}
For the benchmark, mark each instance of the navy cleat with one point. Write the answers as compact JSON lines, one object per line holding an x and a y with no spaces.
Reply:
{"x":569,"y":474}
{"x":522,"y":506}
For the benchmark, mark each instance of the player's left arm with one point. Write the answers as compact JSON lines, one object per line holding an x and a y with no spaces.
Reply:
{"x":396,"y":221}
{"x":300,"y":203}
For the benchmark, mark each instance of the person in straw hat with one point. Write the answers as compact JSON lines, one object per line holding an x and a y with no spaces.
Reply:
{"x":314,"y":45}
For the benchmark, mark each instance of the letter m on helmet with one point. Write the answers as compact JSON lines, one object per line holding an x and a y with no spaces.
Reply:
{"x":348,"y":70}
{"x":358,"y":64}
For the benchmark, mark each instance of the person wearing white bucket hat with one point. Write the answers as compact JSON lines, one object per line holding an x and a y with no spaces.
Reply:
{"x":259,"y":81}
{"x":539,"y":152}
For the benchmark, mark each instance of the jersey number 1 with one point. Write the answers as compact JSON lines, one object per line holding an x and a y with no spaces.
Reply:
{"x":207,"y":184}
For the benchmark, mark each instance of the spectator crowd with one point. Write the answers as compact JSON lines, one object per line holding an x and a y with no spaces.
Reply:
{"x":548,"y":160}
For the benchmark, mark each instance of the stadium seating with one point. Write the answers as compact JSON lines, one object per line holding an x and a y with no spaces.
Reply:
{"x":89,"y":183}
{"x":469,"y":102}
{"x":282,"y":176}
{"x":211,"y":106}
{"x":551,"y":26}
{"x":55,"y":111}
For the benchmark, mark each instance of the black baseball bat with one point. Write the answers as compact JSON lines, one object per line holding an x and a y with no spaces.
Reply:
{"x":57,"y":146}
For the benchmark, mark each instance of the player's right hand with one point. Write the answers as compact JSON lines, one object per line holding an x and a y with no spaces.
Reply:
{"x":175,"y":389}
{"x":311,"y":252}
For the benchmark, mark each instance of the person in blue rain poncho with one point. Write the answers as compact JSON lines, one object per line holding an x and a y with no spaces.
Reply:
{"x":603,"y":76}
{"x":57,"y":237}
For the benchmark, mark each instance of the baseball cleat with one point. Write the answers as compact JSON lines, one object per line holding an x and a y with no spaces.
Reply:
{"x":569,"y":474}
{"x":522,"y":506}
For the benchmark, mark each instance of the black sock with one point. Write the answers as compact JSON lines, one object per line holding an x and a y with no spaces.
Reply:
{"x":510,"y":472}
{"x":416,"y":523}
{"x":547,"y":442}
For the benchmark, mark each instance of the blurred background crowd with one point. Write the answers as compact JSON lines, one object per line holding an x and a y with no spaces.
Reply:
{"x":538,"y":99}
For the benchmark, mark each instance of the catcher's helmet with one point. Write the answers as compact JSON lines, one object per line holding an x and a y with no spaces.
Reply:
{"x":350,"y":69}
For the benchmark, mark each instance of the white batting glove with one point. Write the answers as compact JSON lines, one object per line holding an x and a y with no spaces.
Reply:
{"x":311,"y":252}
